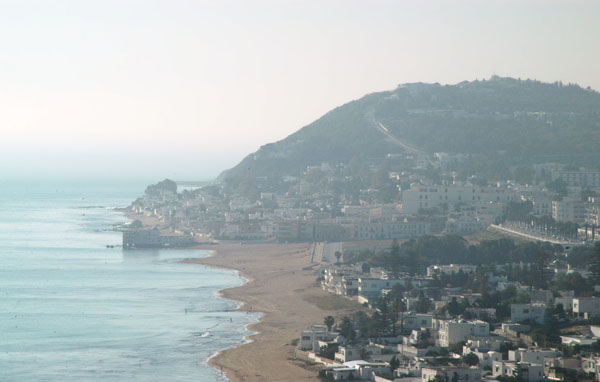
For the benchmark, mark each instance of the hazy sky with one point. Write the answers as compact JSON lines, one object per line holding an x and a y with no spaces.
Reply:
{"x":185,"y":89}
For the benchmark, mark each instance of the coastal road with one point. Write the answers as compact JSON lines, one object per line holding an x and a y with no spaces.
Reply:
{"x":327,"y":251}
{"x":535,"y":237}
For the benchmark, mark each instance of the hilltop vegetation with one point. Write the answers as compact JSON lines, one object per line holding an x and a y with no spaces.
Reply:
{"x":500,"y":122}
{"x":522,"y":118}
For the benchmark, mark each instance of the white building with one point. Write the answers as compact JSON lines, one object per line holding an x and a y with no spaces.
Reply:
{"x":527,"y":371}
{"x":465,"y":225}
{"x":586,"y":307}
{"x":566,"y":302}
{"x":424,"y":197}
{"x":415,"y":320}
{"x":533,"y":356}
{"x":542,"y":203}
{"x":541,"y":295}
{"x":591,"y":364}
{"x":492,"y":343}
{"x":581,"y":178}
{"x":356,"y":370}
{"x":309,"y":339}
{"x":453,"y":331}
{"x":486,"y":357}
{"x":347,"y":353}
{"x":524,"y":312}
{"x":580,"y":340}
{"x":451,"y":373}
{"x":365,"y":230}
{"x":482,"y":313}
{"x":342,"y":281}
{"x":449,"y":269}
{"x":372,"y":287}
{"x":592,"y":212}
{"x":568,"y":210}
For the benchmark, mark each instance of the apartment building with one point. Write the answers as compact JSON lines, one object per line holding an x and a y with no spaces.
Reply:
{"x":424,"y":197}
{"x":453,"y":331}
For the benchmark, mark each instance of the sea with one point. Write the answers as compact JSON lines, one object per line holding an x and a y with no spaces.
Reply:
{"x":72,"y":309}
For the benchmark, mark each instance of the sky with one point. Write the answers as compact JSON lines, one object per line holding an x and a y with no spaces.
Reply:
{"x":185,"y":89}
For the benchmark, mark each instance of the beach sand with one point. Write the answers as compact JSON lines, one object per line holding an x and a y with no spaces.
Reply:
{"x":282,"y":286}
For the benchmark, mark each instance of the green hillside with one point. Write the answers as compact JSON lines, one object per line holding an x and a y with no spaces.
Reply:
{"x":517,"y":121}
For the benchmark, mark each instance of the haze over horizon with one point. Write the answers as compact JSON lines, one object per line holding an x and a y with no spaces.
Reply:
{"x":186,"y":89}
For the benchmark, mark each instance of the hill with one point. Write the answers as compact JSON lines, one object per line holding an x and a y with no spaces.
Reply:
{"x":501,"y":121}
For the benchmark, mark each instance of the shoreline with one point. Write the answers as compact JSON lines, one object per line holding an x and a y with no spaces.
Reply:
{"x":280,"y":285}
{"x":281,"y":288}
{"x":219,"y":371}
{"x":221,"y":374}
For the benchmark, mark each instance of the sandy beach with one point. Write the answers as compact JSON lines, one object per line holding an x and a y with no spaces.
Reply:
{"x":282,"y":287}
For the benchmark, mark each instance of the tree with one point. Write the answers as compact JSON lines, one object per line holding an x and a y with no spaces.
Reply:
{"x":551,"y":328}
{"x":470,"y":359}
{"x":440,"y":378}
{"x":338,"y":256}
{"x":329,"y":321}
{"x":365,"y":267}
{"x":394,"y":363}
{"x":524,"y":174}
{"x":394,"y":260}
{"x":329,"y":351}
{"x":413,"y":261}
{"x":386,"y":316}
{"x":456,"y":347}
{"x":540,"y":274}
{"x":397,"y":307}
{"x":347,"y":329}
{"x":518,"y":211}
{"x":594,"y":265}
{"x":454,"y":308}
{"x":423,"y":303}
{"x":559,"y":186}
{"x":423,"y":339}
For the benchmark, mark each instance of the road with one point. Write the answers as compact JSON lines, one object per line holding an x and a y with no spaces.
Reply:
{"x":532,"y":236}
{"x":384,"y":130}
{"x":325,"y":252}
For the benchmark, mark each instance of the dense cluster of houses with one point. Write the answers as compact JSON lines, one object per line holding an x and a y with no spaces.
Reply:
{"x":304,"y":211}
{"x":373,"y":360}
{"x":419,"y":352}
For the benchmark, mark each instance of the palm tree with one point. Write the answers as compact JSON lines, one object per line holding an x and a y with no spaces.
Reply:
{"x":338,"y":255}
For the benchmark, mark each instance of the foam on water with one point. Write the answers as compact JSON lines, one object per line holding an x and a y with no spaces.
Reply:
{"x":72,"y":309}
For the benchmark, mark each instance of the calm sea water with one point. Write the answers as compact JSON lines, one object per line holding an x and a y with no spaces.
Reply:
{"x":73,"y":310}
